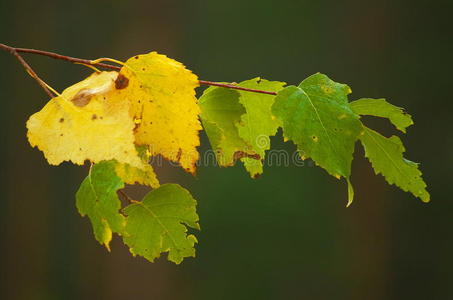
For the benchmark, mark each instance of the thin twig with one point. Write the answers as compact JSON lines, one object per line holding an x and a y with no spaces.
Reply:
{"x":126,"y":196}
{"x":232,"y":86}
{"x":112,"y":67}
{"x":29,"y":69}
{"x":60,"y":57}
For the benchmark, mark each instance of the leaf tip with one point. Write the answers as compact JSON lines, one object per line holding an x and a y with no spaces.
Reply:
{"x":350,"y":192}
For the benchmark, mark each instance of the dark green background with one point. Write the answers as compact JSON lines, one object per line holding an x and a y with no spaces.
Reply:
{"x":286,"y":235}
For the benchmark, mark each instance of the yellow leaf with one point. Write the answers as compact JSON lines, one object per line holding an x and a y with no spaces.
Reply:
{"x":89,"y":121}
{"x":163,"y":105}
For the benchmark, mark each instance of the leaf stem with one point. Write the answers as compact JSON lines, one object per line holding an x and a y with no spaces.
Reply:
{"x":16,"y":51}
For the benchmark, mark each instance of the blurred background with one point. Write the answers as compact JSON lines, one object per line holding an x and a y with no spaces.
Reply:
{"x":286,"y":235}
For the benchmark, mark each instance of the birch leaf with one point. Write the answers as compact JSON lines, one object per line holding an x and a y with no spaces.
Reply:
{"x":163,"y":105}
{"x":89,"y":121}
{"x":98,"y":199}
{"x":381,"y":108}
{"x":158,"y":224}
{"x":258,"y":124}
{"x":386,"y":157}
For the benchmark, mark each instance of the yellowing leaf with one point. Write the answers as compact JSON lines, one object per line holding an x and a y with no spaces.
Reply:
{"x":239,"y":123}
{"x":133,"y":175}
{"x":89,"y":121}
{"x":163,"y":104}
{"x":258,"y":124}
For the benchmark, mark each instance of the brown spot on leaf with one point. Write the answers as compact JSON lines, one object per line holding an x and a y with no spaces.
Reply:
{"x":121,"y":82}
{"x":61,"y":120}
{"x":178,"y":156}
{"x":82,"y":98}
{"x":94,"y":117}
{"x":241,"y":154}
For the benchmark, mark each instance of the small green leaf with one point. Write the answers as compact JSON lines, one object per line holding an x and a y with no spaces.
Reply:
{"x":220,"y":111}
{"x":239,"y":123}
{"x":97,"y":198}
{"x":381,"y":108}
{"x":158,"y":224}
{"x":386,"y":157}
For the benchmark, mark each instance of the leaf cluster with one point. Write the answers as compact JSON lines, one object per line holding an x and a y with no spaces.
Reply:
{"x":118,"y":120}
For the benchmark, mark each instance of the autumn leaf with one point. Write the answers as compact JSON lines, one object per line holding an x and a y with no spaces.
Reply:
{"x":132,"y":175}
{"x":164,"y":107}
{"x":88,"y":121}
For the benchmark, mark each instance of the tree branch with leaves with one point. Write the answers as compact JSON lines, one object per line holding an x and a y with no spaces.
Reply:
{"x":147,"y":106}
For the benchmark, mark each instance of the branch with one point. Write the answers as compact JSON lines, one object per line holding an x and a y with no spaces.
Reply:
{"x":109,"y":66}
{"x":232,"y":86}
{"x":27,"y":67}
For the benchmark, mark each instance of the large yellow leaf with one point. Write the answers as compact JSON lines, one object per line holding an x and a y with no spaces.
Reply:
{"x":89,"y":121}
{"x":163,"y":105}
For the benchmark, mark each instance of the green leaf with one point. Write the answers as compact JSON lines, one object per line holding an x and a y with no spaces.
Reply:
{"x":220,"y":111}
{"x":381,"y":108}
{"x":320,"y":86}
{"x":317,"y":119}
{"x":386,"y":157}
{"x":239,"y":123}
{"x":258,"y":124}
{"x":97,"y":198}
{"x":158,"y":224}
